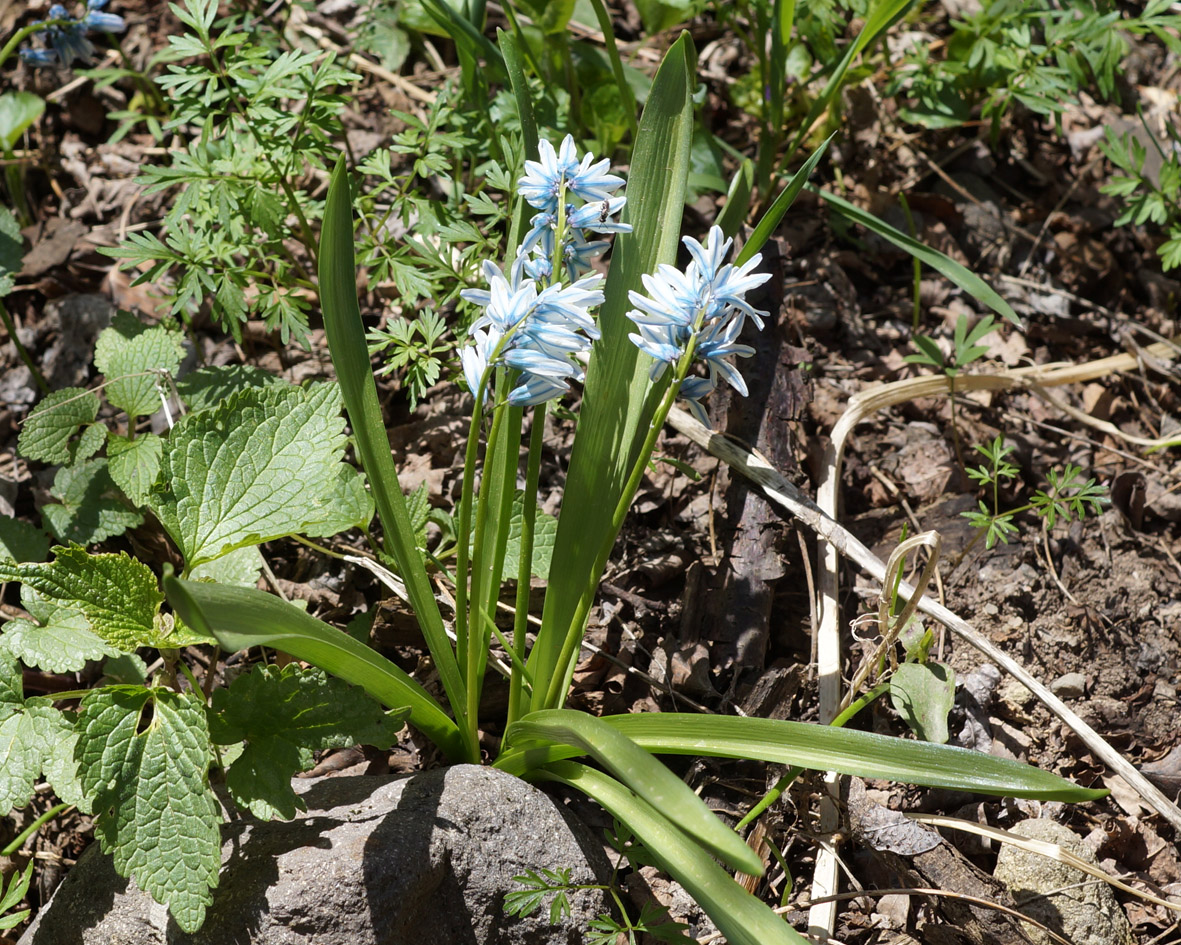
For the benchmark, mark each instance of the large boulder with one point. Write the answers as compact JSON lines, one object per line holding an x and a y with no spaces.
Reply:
{"x":420,"y":860}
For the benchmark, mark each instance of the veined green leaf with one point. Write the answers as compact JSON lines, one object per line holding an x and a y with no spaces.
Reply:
{"x":157,"y":815}
{"x":615,"y":406}
{"x":241,"y":617}
{"x":57,"y":639}
{"x":284,"y":714}
{"x":261,"y":465}
{"x":48,"y":428}
{"x":940,"y":262}
{"x":21,"y":541}
{"x":128,"y":349}
{"x":350,"y":357}
{"x":642,"y":773}
{"x":741,"y":918}
{"x":134,"y":464}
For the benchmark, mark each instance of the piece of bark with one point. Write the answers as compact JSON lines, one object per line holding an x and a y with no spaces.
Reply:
{"x":923,"y":859}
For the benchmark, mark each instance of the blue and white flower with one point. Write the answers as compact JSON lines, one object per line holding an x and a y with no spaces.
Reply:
{"x":67,"y":37}
{"x":706,"y":305}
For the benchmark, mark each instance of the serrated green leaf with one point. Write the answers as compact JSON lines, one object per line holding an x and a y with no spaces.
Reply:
{"x":118,"y":596}
{"x":26,"y":736}
{"x":209,"y":386}
{"x":12,"y":687}
{"x":90,"y":508}
{"x":241,"y":568}
{"x":923,"y":694}
{"x":46,"y":432}
{"x":284,"y":715}
{"x":60,"y":767}
{"x":58,"y":638}
{"x":94,"y":435}
{"x":21,"y":541}
{"x":154,"y":811}
{"x":126,"y":350}
{"x":350,"y":506}
{"x":134,"y":464}
{"x":545,"y":531}
{"x":262,"y":465}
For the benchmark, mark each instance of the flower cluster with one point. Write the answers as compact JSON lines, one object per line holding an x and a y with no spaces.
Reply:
{"x":532,"y":322}
{"x":66,"y":35}
{"x":706,"y":305}
{"x":537,"y":332}
{"x":545,"y":185}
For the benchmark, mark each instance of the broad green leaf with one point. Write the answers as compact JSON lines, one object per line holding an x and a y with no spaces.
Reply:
{"x":349,"y":506}
{"x":284,"y":715}
{"x":967,"y":280}
{"x":134,"y":464}
{"x":21,"y":541}
{"x":545,"y":531}
{"x":240,"y":568}
{"x":154,"y":810}
{"x":350,"y":357}
{"x":18,"y":110}
{"x":643,"y":774}
{"x":615,"y":408}
{"x":923,"y":694}
{"x":94,"y":435}
{"x":128,"y":349}
{"x":240,"y":618}
{"x":90,"y":508}
{"x":262,"y":465}
{"x":740,"y":916}
{"x":26,"y":735}
{"x":47,"y":430}
{"x":12,"y":687}
{"x":60,"y":766}
{"x":58,"y":638}
{"x":209,"y":386}
{"x":11,"y":249}
{"x":117,"y":595}
{"x":659,"y":15}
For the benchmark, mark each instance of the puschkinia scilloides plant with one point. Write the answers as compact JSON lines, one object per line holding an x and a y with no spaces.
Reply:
{"x":535,"y":329}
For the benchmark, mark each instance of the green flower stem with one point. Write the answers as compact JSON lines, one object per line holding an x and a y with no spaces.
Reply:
{"x":794,"y":772}
{"x":525,"y":560}
{"x":463,"y":544}
{"x":24,"y":835}
{"x":9,"y":327}
{"x":564,"y":668}
{"x":25,"y":32}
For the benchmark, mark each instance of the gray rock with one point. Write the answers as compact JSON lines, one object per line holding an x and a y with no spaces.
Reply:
{"x":1069,"y":686}
{"x":1079,"y":907}
{"x":423,"y":860}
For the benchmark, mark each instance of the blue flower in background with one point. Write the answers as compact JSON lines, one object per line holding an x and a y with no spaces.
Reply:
{"x":67,"y":37}
{"x":705,"y":303}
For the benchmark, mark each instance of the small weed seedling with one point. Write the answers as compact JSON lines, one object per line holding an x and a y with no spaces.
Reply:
{"x":1148,"y":200}
{"x":1068,"y":495}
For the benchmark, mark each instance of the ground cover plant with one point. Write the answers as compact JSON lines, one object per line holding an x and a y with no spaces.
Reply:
{"x":566,"y":295}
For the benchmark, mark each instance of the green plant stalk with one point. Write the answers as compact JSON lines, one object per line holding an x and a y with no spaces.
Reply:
{"x":9,"y":327}
{"x":626,"y":96}
{"x":350,"y":357}
{"x":918,"y":266}
{"x":19,"y":840}
{"x":464,"y":529}
{"x":564,"y":669}
{"x":525,"y":560}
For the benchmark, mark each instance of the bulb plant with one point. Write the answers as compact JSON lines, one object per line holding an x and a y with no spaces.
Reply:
{"x":637,"y":340}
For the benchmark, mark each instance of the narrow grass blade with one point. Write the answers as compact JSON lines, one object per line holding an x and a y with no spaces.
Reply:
{"x":823,"y":748}
{"x":241,"y":617}
{"x":511,"y":50}
{"x":770,"y":219}
{"x":941,"y":263}
{"x":350,"y":357}
{"x":614,"y":409}
{"x":740,"y":917}
{"x":738,"y":199}
{"x":642,"y":773}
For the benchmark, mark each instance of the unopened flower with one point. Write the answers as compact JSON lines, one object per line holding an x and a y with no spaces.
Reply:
{"x":705,"y":305}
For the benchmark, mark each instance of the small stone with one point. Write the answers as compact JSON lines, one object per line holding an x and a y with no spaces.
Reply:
{"x":991,"y":609}
{"x":1069,"y":686}
{"x":1077,"y":906}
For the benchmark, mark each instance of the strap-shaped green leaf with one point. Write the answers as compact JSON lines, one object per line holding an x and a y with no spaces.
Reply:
{"x":741,"y":918}
{"x":241,"y":617}
{"x":643,"y":774}
{"x":615,"y":408}
{"x":350,"y":357}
